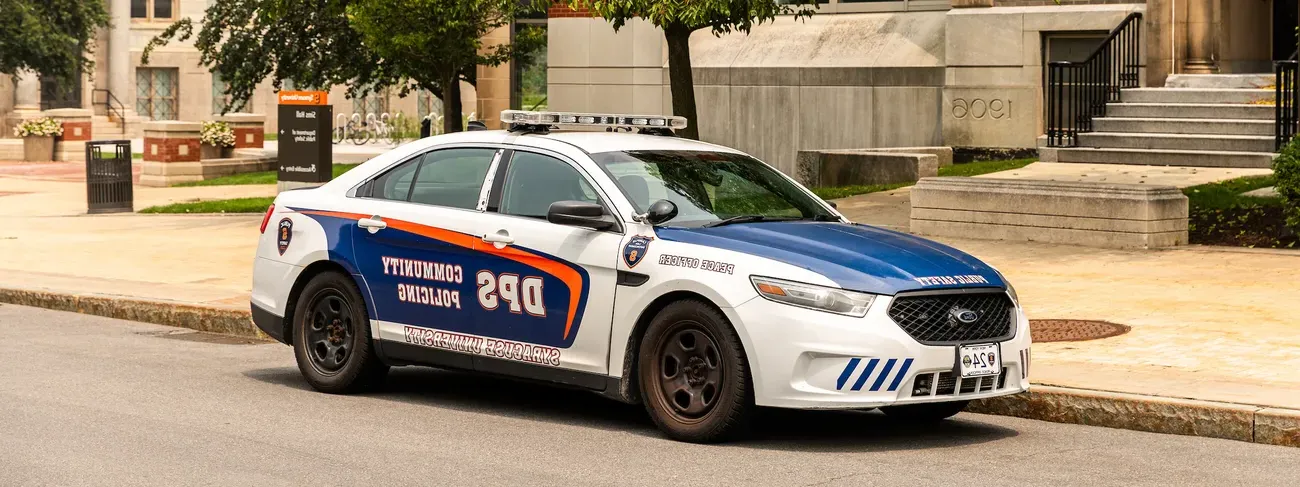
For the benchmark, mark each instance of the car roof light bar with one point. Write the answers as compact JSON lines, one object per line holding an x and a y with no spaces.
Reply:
{"x":574,"y":119}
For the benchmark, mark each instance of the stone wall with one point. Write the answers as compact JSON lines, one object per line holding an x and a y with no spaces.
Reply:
{"x":843,"y":81}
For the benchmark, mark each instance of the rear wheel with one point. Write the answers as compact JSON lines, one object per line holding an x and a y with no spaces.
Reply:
{"x":331,"y":337}
{"x":693,"y":375}
{"x":926,"y":413}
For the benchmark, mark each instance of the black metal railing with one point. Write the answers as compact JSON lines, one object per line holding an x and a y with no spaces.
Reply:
{"x":113,"y":108}
{"x":1077,"y":92}
{"x":1286,"y":104}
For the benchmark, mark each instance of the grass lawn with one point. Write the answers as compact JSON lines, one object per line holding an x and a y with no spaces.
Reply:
{"x":264,"y":177}
{"x":1219,"y":215}
{"x":137,"y":155}
{"x":271,"y":136}
{"x":833,"y":192}
{"x":966,"y":169}
{"x":237,"y":205}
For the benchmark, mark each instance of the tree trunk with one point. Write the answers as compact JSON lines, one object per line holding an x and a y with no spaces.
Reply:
{"x":451,"y":106}
{"x":680,"y":80}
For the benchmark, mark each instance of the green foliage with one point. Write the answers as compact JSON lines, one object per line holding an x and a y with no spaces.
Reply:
{"x":835,"y":192}
{"x":261,"y":177}
{"x":719,"y":16}
{"x":369,"y":45}
{"x":1227,"y":194}
{"x":237,"y":205}
{"x":679,"y":19}
{"x":985,"y":167}
{"x":1286,"y":168}
{"x":965,"y":169}
{"x":52,"y":37}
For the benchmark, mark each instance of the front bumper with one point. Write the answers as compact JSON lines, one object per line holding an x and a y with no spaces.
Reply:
{"x":810,"y":359}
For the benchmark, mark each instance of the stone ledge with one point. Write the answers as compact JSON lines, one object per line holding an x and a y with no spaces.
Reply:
{"x":1190,"y":417}
{"x":1076,"y":213}
{"x":166,"y":127}
{"x":201,"y":318}
{"x":846,"y":167}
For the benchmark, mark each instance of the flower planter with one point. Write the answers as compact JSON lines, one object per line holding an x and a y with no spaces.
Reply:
{"x":209,"y":151}
{"x":38,"y":149}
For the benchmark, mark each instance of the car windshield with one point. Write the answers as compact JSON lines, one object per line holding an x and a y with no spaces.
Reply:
{"x":709,"y":187}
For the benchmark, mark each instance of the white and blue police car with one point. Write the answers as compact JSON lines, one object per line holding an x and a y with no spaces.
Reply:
{"x":683,"y":275}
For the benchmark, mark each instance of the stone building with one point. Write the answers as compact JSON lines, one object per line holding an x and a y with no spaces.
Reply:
{"x":880,"y":73}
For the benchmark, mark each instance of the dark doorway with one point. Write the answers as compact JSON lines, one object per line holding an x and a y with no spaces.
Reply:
{"x":1284,"y":24}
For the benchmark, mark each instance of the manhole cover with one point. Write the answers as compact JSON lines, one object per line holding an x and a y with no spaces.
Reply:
{"x":198,"y":336}
{"x":1074,"y":330}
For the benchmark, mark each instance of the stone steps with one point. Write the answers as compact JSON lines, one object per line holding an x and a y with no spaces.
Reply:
{"x":1195,"y":142}
{"x":1262,"y":80}
{"x":1195,"y":95}
{"x":1191,"y":110}
{"x":1184,"y":126}
{"x":1165,"y":157}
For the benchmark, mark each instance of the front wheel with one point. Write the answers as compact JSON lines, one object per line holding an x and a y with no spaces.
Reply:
{"x":360,"y":135}
{"x":925,"y":413}
{"x":331,"y":336}
{"x":693,"y":374}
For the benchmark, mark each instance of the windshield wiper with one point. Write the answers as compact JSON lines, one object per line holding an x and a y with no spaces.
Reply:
{"x":762,"y":218}
{"x":750,"y":219}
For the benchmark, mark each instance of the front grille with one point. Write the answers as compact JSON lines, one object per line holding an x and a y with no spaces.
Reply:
{"x":932,"y":318}
{"x":948,"y":384}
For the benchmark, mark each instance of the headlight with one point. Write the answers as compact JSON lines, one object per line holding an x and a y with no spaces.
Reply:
{"x":820,"y":298}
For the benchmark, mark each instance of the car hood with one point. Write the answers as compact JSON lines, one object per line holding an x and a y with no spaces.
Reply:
{"x":857,"y":257}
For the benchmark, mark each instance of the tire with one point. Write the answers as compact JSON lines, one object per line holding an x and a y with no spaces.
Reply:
{"x":331,"y":337}
{"x":925,"y":413}
{"x":339,"y":134}
{"x":361,"y":135}
{"x":690,"y":348}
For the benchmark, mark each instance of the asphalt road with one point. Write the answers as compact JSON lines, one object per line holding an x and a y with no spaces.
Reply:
{"x":94,"y":401}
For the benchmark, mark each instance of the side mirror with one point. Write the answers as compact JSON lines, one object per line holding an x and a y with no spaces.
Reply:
{"x":832,"y":203}
{"x":661,"y":211}
{"x":579,"y":214}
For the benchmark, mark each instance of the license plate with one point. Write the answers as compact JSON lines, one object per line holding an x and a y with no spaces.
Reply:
{"x":979,"y":360}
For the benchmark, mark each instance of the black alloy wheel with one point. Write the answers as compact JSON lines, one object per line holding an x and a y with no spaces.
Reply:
{"x":690,"y":371}
{"x":693,"y":374}
{"x":330,"y":331}
{"x":331,"y":336}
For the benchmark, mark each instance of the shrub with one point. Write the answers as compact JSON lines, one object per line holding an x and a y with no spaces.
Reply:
{"x":1286,"y":169}
{"x":218,"y":134}
{"x":39,"y":127}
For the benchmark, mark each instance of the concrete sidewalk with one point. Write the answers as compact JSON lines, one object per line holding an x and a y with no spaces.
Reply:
{"x":1210,"y":324}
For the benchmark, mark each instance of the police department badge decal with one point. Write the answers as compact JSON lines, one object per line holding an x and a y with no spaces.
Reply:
{"x":284,"y":233}
{"x":635,"y":250}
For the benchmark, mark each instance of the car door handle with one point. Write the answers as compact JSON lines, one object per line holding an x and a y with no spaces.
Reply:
{"x":373,"y":224}
{"x":501,"y":237}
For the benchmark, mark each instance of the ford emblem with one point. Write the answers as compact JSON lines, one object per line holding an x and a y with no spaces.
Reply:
{"x":963,"y":316}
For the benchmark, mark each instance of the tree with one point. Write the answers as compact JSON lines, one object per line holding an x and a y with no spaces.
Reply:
{"x":52,"y":37}
{"x":436,"y":43}
{"x":678,"y":19}
{"x":368,"y":45}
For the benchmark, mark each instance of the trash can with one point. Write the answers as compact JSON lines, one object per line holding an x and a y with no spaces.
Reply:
{"x":426,"y":127}
{"x":108,"y":176}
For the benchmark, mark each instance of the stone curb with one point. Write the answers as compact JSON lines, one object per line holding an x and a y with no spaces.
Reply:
{"x":1255,"y":424}
{"x":201,"y":318}
{"x":1273,"y":426}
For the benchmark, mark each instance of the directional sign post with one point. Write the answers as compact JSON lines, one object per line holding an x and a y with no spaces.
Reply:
{"x":305,"y":154}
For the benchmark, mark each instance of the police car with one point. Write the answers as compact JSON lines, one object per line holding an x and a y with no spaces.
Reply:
{"x":683,"y":275}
